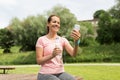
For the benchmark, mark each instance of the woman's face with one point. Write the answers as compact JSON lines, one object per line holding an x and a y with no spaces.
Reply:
{"x":54,"y":24}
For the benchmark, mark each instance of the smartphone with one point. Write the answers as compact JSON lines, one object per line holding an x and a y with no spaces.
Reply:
{"x":76,"y":27}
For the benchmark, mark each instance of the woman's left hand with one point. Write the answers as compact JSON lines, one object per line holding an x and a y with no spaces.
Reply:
{"x":75,"y":35}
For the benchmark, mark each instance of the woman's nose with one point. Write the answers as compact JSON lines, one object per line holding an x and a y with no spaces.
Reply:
{"x":57,"y":24}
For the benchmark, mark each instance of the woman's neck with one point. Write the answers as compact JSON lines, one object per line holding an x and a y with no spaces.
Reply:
{"x":51,"y":35}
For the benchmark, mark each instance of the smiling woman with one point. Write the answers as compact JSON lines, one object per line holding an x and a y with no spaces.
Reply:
{"x":49,"y":50}
{"x":54,"y":22}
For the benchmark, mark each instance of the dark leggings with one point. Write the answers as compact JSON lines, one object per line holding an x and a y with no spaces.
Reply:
{"x":60,"y":76}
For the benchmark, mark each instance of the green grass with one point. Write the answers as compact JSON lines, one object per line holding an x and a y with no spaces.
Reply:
{"x":95,"y":72}
{"x":88,"y":72}
{"x":18,"y":58}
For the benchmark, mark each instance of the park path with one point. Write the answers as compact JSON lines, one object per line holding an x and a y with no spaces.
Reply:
{"x":76,"y":64}
{"x":94,"y":64}
{"x":18,"y":77}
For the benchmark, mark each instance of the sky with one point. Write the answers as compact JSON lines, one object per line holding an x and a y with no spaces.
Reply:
{"x":82,"y":9}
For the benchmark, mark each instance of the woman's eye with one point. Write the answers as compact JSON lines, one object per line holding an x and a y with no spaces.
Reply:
{"x":56,"y":22}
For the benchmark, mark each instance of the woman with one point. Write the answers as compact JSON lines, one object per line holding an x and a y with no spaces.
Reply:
{"x":49,"y":50}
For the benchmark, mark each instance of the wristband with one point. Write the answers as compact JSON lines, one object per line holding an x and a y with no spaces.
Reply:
{"x":77,"y":42}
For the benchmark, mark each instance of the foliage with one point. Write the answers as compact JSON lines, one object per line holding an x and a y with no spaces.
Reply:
{"x":98,"y":13}
{"x":6,"y":40}
{"x":115,"y":13}
{"x":87,"y":34}
{"x":105,"y":35}
{"x":18,"y":58}
{"x":115,"y":10}
{"x":28,"y":31}
{"x":100,"y":53}
{"x":15,"y":27}
{"x":116,"y":31}
{"x":33,"y":27}
{"x":109,"y":25}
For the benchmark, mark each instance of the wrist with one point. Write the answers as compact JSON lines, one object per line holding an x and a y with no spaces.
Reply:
{"x":77,"y":42}
{"x":53,"y":54}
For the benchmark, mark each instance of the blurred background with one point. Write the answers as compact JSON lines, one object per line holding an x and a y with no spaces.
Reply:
{"x":22,"y":22}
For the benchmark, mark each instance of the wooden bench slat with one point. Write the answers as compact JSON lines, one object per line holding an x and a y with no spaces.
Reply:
{"x":4,"y":68}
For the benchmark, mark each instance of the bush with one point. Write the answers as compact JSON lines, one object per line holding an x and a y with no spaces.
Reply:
{"x":101,"y":53}
{"x":18,"y":58}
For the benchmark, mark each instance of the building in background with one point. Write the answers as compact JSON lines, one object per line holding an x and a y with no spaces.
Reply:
{"x":94,"y":23}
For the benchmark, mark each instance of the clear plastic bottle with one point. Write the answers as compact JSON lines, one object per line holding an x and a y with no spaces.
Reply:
{"x":57,"y":42}
{"x":76,"y":27}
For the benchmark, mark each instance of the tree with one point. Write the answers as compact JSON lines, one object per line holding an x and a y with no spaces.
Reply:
{"x":33,"y":27}
{"x":115,"y":13}
{"x":115,"y":10}
{"x":109,"y":25}
{"x":6,"y":40}
{"x":105,"y":35}
{"x":98,"y":13}
{"x":28,"y":31}
{"x":116,"y":30}
{"x":15,"y":27}
{"x":87,"y":32}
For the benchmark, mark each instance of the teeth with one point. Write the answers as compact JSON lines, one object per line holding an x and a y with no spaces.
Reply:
{"x":56,"y":27}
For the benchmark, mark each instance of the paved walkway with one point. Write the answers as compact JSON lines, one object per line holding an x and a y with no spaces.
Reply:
{"x":18,"y":77}
{"x":94,"y":64}
{"x":75,"y":64}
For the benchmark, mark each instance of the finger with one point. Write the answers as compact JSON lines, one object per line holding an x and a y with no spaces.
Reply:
{"x":75,"y":35}
{"x":75,"y":30}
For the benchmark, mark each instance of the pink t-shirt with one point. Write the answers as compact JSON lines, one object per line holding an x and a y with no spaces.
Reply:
{"x":55,"y":65}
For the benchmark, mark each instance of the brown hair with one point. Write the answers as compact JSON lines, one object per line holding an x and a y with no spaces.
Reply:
{"x":49,"y":19}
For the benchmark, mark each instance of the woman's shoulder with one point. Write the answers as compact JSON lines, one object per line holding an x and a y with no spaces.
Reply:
{"x":63,"y":38}
{"x":42,"y":37}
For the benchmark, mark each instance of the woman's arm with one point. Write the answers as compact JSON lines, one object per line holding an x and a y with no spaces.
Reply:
{"x":73,"y":50}
{"x":42,"y":59}
{"x":39,"y":56}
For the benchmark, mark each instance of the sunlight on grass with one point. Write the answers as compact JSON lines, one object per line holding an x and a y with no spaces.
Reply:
{"x":1,"y":51}
{"x":95,"y":72}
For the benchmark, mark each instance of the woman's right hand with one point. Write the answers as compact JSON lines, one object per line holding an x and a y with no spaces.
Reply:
{"x":56,"y":52}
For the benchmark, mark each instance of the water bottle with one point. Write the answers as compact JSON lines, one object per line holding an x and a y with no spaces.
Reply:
{"x":57,"y":43}
{"x":76,"y":27}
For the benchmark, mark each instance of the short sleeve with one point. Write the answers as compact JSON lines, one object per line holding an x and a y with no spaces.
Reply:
{"x":39,"y":42}
{"x":65,"y":41}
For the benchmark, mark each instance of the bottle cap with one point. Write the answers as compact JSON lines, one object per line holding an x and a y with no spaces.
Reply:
{"x":77,"y":27}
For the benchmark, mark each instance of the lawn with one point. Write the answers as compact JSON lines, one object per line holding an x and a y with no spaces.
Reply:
{"x":95,"y":72}
{"x":88,"y":72}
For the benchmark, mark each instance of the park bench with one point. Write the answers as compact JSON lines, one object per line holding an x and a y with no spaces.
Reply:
{"x":4,"y":68}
